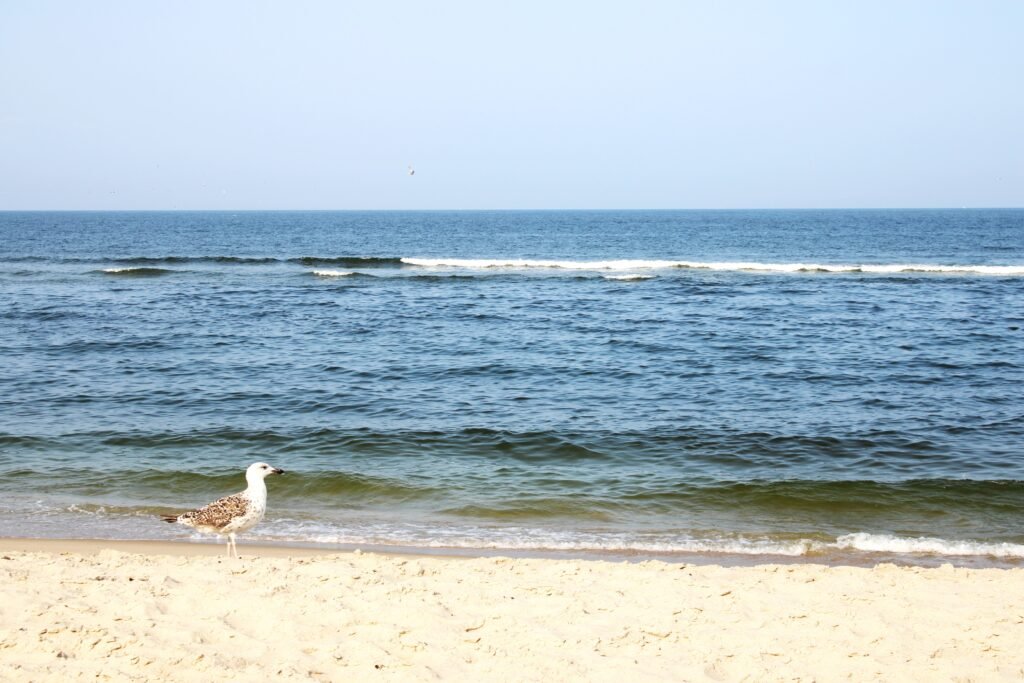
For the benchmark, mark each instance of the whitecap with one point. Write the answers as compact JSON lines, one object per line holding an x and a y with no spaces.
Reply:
{"x":627,"y":278}
{"x":480,"y":264}
{"x":749,"y":266}
{"x":147,"y":271}
{"x":332,"y":273}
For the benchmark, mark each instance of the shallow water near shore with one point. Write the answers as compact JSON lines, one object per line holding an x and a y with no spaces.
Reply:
{"x":643,"y":384}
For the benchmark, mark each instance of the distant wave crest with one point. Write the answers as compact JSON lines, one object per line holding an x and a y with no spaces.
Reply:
{"x":753,"y":266}
{"x":239,"y":260}
{"x":138,"y":272}
{"x":629,"y":277}
{"x":333,"y":273}
{"x":347,"y":261}
{"x":623,"y":269}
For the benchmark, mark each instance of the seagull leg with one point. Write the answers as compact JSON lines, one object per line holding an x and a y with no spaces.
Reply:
{"x":234,"y":547}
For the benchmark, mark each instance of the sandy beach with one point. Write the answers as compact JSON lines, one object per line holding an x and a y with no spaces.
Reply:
{"x":182,"y":612}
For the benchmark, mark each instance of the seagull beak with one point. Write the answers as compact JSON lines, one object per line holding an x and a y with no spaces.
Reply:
{"x":278,"y":471}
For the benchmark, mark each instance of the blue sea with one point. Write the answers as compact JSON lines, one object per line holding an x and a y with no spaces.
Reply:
{"x":835,"y":385}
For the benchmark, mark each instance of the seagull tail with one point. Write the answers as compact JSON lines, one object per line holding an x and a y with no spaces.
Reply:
{"x":170,"y":519}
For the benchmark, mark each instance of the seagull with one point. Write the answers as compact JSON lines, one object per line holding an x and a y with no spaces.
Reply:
{"x":412,"y":171}
{"x":232,"y":514}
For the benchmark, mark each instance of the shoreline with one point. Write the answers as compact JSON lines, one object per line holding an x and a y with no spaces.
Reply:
{"x":94,"y":546}
{"x":78,"y":610}
{"x":209,"y":547}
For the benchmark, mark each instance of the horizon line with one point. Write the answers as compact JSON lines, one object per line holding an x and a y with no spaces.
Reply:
{"x":454,"y":210}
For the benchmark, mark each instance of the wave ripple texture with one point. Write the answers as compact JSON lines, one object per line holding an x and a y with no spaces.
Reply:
{"x":790,"y":383}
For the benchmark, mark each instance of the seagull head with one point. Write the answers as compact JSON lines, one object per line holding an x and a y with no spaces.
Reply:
{"x":261,"y":470}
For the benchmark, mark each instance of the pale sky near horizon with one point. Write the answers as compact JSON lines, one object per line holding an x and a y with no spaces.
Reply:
{"x":323,"y":105}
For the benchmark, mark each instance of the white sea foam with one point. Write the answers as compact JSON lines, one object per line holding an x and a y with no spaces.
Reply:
{"x":138,"y":271}
{"x":926,"y":545}
{"x":927,"y":268}
{"x":868,"y":543}
{"x":750,"y":266}
{"x":794,"y":549}
{"x":558,"y":542}
{"x":479,"y":264}
{"x":628,"y":277}
{"x":332,"y":273}
{"x":537,"y":539}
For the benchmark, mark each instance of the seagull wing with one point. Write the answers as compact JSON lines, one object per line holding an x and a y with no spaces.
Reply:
{"x":217,"y":514}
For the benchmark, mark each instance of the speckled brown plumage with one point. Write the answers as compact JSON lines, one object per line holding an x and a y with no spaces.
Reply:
{"x":218,"y":515}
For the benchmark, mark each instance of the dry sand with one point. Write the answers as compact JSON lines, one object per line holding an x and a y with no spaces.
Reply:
{"x":181,"y":612}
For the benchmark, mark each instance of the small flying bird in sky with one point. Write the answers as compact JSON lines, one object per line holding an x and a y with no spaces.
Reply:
{"x":412,"y":171}
{"x":232,"y":514}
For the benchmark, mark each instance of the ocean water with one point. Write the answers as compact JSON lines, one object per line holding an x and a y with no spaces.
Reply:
{"x":846,"y":385}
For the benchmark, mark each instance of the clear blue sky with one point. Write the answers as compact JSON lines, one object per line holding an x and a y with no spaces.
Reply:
{"x":323,"y":105}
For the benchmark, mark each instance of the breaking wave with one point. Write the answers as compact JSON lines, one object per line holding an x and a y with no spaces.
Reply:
{"x":333,"y":273}
{"x":348,"y":261}
{"x":539,"y":539}
{"x":138,"y":272}
{"x":753,"y":266}
{"x":631,"y":277}
{"x":884,"y":543}
{"x":623,"y":269}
